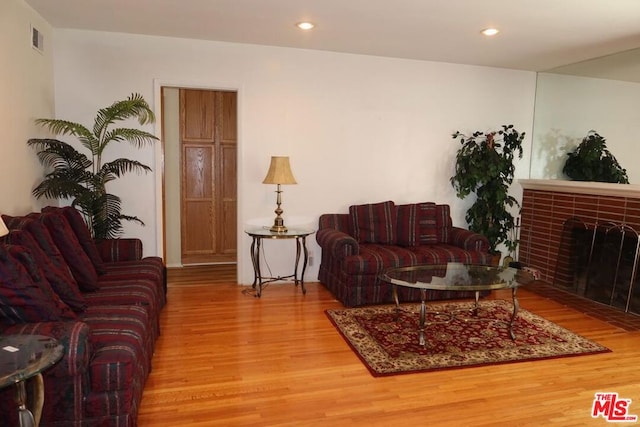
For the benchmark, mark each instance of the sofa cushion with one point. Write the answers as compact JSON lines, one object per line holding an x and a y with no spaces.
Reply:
{"x":24,"y":256}
{"x":121,"y":343}
{"x":443,"y":253}
{"x":130,"y":292}
{"x":78,"y":261}
{"x":427,"y":224}
{"x":375,"y":259}
{"x":151,"y":269}
{"x":408,"y":229}
{"x":22,"y":300}
{"x":374,"y":222}
{"x":434,"y":223}
{"x":79,"y":227}
{"x":60,"y":279}
{"x":423,"y":224}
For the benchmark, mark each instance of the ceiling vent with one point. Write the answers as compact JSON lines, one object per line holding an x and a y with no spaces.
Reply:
{"x":37,"y":39}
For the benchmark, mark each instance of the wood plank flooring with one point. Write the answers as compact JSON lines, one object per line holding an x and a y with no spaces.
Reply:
{"x":226,"y":358}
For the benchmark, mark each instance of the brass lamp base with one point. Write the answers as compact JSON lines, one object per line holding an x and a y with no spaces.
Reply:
{"x":278,"y":222}
{"x":278,"y":225}
{"x":278,"y":229}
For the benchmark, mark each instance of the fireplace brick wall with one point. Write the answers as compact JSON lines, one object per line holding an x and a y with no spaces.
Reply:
{"x":545,"y":210}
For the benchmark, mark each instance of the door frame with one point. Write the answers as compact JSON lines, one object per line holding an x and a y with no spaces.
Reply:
{"x":158,"y":84}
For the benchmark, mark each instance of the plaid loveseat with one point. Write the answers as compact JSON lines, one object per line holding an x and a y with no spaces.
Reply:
{"x":100,"y":300}
{"x":357,"y":247}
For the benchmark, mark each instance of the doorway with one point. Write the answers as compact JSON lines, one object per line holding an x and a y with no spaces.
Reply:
{"x":199,"y":129}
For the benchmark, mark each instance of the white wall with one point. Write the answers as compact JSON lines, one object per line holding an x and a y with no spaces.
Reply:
{"x":568,"y":107}
{"x":357,"y":128}
{"x":26,"y":93}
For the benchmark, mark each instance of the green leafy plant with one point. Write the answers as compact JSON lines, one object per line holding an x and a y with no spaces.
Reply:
{"x":592,"y":161}
{"x":83,"y":179}
{"x":485,"y":166}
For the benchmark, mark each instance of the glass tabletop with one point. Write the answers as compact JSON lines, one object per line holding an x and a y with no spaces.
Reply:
{"x":23,"y":356}
{"x":457,"y":276}
{"x":291,"y":232}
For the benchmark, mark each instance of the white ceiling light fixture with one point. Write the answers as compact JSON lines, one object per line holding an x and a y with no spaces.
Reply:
{"x":305,"y":25}
{"x":490,"y":31}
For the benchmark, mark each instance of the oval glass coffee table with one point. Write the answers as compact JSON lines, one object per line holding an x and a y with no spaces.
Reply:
{"x":457,"y":277}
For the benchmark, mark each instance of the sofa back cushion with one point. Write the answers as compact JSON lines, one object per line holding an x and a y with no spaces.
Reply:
{"x":65,"y":239}
{"x":408,"y":230}
{"x":21,"y":299}
{"x":25,"y":257}
{"x":434,"y":223}
{"x":79,"y":227}
{"x":374,"y":222}
{"x":43,"y":238}
{"x":60,"y":278}
{"x":423,"y":224}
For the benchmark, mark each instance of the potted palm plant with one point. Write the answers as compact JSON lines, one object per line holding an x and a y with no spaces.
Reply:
{"x":83,"y":179}
{"x":485,"y":166}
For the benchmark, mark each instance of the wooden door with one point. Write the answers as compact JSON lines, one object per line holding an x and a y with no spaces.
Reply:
{"x":208,"y":140}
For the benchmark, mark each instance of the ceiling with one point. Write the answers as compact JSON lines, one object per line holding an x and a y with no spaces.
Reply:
{"x":535,"y":35}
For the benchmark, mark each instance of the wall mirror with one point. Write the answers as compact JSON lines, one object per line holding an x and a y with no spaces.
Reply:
{"x":601,"y":94}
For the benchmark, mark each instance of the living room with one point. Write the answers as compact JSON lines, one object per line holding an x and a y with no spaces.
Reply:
{"x":357,"y":128}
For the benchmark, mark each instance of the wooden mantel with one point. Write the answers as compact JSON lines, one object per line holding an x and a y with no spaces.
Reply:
{"x":548,"y":204}
{"x":581,"y":187}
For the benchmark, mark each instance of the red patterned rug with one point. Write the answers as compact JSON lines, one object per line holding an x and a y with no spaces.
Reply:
{"x":388,"y":345}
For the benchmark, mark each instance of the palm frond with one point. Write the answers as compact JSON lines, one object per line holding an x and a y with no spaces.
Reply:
{"x":59,"y":155}
{"x":137,"y":137}
{"x":107,"y":220}
{"x":56,"y":186}
{"x":65,"y":127}
{"x":133,"y":107}
{"x":119,"y":167}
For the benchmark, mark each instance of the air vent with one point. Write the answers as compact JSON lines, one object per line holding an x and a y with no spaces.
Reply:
{"x":37,"y":39}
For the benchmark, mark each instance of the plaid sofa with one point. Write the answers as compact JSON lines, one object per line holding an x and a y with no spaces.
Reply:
{"x":100,"y":300}
{"x":357,"y":247}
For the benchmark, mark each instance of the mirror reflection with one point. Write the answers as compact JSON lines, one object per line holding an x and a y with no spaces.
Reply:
{"x":602,"y":95}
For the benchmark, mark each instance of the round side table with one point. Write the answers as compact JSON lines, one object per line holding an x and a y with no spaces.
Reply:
{"x":24,"y":357}
{"x":300,"y":236}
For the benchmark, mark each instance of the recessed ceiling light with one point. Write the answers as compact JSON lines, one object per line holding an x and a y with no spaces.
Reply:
{"x":305,"y":25}
{"x":490,"y":31}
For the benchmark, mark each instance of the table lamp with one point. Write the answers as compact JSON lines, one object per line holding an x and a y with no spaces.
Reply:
{"x":3,"y":228}
{"x":279,"y":173}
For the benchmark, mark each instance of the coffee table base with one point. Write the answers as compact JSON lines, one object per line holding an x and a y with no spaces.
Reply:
{"x":423,"y":311}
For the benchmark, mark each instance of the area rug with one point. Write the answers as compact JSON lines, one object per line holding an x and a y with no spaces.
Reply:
{"x":388,"y":344}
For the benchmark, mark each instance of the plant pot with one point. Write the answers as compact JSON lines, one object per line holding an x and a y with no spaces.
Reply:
{"x":495,"y":258}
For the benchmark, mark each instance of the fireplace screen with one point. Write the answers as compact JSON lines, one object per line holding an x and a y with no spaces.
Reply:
{"x":600,"y":262}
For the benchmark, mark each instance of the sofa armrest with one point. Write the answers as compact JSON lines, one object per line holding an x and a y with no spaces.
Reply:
{"x":468,"y":240}
{"x":337,"y":243}
{"x":73,"y":335}
{"x":114,"y":250}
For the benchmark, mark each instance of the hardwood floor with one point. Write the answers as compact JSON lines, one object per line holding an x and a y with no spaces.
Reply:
{"x":226,"y":358}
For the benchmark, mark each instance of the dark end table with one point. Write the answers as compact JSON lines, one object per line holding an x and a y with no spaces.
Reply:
{"x":300,"y":236}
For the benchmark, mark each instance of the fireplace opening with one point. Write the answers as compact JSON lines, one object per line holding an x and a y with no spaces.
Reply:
{"x":599,"y":261}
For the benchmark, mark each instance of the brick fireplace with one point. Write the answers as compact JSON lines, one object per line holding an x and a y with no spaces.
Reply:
{"x":573,"y":232}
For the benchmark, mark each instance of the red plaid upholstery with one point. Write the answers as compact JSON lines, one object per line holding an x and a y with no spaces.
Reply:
{"x":77,"y":259}
{"x":374,"y":222}
{"x":109,"y":340}
{"x":357,"y":248}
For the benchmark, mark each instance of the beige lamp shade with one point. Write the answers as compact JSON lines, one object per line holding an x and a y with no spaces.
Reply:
{"x":3,"y":228}
{"x":279,"y":171}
